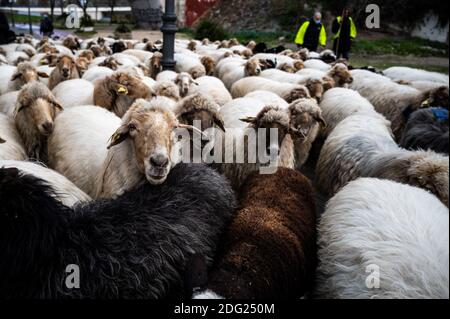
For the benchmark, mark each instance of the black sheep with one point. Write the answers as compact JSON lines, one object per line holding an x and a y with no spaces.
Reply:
{"x":136,"y":246}
{"x":427,"y":129}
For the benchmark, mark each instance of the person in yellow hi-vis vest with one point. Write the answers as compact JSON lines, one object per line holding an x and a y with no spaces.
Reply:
{"x":312,"y":33}
{"x":344,"y":30}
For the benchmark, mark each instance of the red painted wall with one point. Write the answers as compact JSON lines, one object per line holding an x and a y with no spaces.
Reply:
{"x":195,"y":8}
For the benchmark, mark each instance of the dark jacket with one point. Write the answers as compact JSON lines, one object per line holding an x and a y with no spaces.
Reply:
{"x":311,"y":35}
{"x":6,"y":35}
{"x":344,"y":32}
{"x":46,"y":26}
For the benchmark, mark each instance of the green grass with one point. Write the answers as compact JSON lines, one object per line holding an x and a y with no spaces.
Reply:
{"x":21,"y":18}
{"x":400,"y":46}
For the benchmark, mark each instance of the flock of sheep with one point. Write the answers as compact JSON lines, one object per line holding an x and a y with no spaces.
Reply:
{"x":91,"y":173}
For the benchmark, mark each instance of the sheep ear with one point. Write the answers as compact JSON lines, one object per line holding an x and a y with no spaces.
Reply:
{"x":196,"y":275}
{"x":248,"y":119}
{"x":57,"y":106}
{"x":322,"y":121}
{"x":43,"y":75}
{"x":15,"y":76}
{"x":119,"y":136}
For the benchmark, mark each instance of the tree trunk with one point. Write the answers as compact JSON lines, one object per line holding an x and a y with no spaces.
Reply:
{"x":147,"y":13}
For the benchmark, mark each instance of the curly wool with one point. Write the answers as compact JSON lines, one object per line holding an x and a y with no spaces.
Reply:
{"x":135,"y":246}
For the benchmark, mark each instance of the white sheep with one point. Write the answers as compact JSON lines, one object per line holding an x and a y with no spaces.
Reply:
{"x":289,"y":92}
{"x":338,"y":103}
{"x":97,"y":73}
{"x":189,"y":64}
{"x":407,"y":74}
{"x":143,"y":56}
{"x":362,"y":146}
{"x":166,"y":76}
{"x":250,"y":68}
{"x":389,"y":98}
{"x":13,"y":148}
{"x":382,"y":239}
{"x":317,"y":64}
{"x":77,"y":148}
{"x":8,"y":102}
{"x":65,"y":191}
{"x":211,"y":86}
{"x":74,"y":92}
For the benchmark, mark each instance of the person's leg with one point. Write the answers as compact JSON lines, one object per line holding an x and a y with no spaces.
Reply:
{"x":346,"y":55}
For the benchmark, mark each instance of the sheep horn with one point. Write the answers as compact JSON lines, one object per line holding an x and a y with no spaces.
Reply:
{"x":248,"y":119}
{"x":2,"y":141}
{"x":187,"y":126}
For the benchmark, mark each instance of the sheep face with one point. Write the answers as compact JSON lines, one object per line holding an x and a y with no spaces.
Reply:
{"x":299,"y":92}
{"x":304,"y":54}
{"x":184,"y":81}
{"x":82,"y":65}
{"x":47,"y":48}
{"x":271,"y":117}
{"x":340,"y":74}
{"x":206,"y":41}
{"x":287,"y":68}
{"x":151,"y":132}
{"x":167,"y":89}
{"x":233,"y":42}
{"x":253,"y":68}
{"x":71,"y":43}
{"x":67,"y":67}
{"x":155,"y":64}
{"x":111,"y":63}
{"x":197,"y":107}
{"x":197,"y":71}
{"x":88,"y":54}
{"x":251,"y":45}
{"x":192,"y":46}
{"x":298,"y":65}
{"x":41,"y":112}
{"x":438,"y":97}
{"x":209,"y":64}
{"x":27,"y":73}
{"x":328,"y":83}
{"x":247,"y":53}
{"x":315,"y":88}
{"x":50,"y":59}
{"x":150,"y":46}
{"x":305,"y":118}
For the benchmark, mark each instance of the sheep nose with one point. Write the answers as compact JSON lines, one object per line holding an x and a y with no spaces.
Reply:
{"x":350,"y":80}
{"x":65,"y":71}
{"x":48,"y":127}
{"x":159,"y":160}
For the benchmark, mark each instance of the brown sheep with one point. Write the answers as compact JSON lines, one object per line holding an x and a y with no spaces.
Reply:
{"x":209,"y":64}
{"x":155,"y":64}
{"x":206,"y":41}
{"x":34,"y":114}
{"x":287,"y":68}
{"x":269,"y":250}
{"x":233,"y":42}
{"x":25,"y":73}
{"x":88,"y":54}
{"x":82,"y":65}
{"x":111,"y":63}
{"x":298,"y":65}
{"x":340,"y":74}
{"x":315,"y":88}
{"x":198,"y":107}
{"x":192,"y":46}
{"x":66,"y":69}
{"x":47,"y":48}
{"x":71,"y":43}
{"x":117,"y":92}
